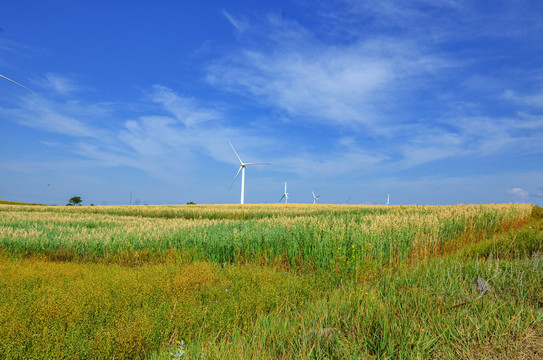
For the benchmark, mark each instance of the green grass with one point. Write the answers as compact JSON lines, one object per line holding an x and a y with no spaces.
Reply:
{"x":343,"y":239}
{"x":286,"y":291}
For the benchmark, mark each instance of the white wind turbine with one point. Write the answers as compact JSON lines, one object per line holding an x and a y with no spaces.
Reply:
{"x":242,"y":169}
{"x":388,"y":199}
{"x":315,"y":197}
{"x":285,"y":195}
{"x":15,"y":82}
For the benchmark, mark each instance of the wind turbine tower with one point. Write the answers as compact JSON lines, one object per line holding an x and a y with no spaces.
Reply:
{"x":242,"y":169}
{"x":315,"y":197}
{"x":285,"y":195}
{"x":388,"y":199}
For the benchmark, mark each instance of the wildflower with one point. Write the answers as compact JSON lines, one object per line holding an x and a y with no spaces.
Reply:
{"x":226,"y":290}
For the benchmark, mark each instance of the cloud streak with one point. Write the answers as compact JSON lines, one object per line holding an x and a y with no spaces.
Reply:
{"x":55,"y":117}
{"x":185,"y":110}
{"x":323,"y":83}
{"x":55,"y":83}
{"x":518,"y":192}
{"x":239,"y":23}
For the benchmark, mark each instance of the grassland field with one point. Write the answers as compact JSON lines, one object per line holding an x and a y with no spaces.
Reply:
{"x":271,"y":282}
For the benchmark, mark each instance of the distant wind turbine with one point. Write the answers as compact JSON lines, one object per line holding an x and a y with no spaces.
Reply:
{"x":388,"y":199}
{"x":315,"y":197}
{"x":15,"y":82}
{"x":285,"y":195}
{"x":242,"y":169}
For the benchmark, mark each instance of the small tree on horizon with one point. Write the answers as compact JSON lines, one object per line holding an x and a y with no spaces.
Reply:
{"x":75,"y":200}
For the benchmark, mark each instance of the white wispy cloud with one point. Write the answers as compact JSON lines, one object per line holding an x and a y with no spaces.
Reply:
{"x":56,"y":83}
{"x":486,"y":135}
{"x":184,"y":109}
{"x":332,"y":165}
{"x":325,"y":84}
{"x":64,"y":118}
{"x":164,"y":146}
{"x":445,"y":20}
{"x":531,"y":99}
{"x":169,"y":147}
{"x":518,"y":192}
{"x":239,"y":23}
{"x":152,"y":135}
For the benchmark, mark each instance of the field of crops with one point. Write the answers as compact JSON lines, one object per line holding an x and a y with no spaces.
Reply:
{"x":270,"y":281}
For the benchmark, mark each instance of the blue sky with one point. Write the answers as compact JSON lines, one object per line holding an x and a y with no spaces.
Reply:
{"x":435,"y":101}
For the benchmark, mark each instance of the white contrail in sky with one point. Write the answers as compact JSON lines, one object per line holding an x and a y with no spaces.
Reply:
{"x":15,"y":82}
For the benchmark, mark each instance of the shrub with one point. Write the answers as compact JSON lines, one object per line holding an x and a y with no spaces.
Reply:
{"x":537,"y":212}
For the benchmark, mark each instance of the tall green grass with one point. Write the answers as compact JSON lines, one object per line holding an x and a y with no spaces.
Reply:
{"x":343,"y":239}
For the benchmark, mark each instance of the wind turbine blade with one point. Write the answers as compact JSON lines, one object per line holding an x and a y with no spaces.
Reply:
{"x":257,"y":164}
{"x":241,"y":162}
{"x":282,"y":197}
{"x":15,"y":82}
{"x":241,"y":167}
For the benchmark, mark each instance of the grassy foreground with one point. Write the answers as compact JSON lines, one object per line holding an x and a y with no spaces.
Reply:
{"x":269,"y":282}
